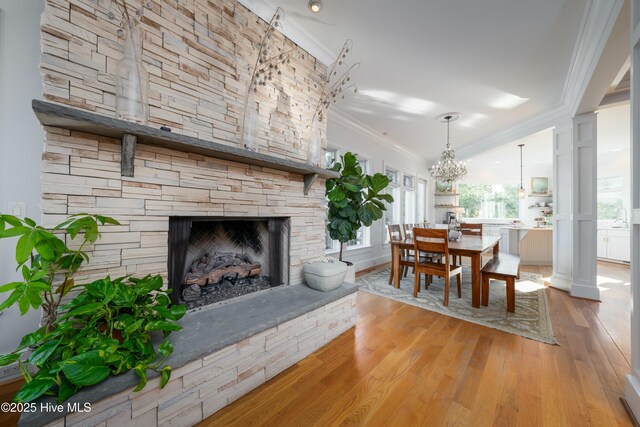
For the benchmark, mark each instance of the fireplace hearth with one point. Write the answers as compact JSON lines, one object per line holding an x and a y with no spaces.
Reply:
{"x":215,"y":259}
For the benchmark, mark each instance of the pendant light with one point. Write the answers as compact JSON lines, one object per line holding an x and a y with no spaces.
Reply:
{"x":448,"y":169}
{"x":521,"y":189}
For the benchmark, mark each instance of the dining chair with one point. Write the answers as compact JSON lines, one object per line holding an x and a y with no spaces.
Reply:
{"x":469,"y":229}
{"x":395,"y":233}
{"x":408,"y":230}
{"x":434,"y":241}
{"x":408,"y":234}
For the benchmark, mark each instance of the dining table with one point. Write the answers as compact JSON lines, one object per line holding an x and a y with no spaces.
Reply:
{"x":473,"y":247}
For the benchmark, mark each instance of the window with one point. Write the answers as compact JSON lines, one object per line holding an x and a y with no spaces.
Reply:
{"x":489,"y":200}
{"x":392,"y":214}
{"x":392,"y":175}
{"x":362,"y":237}
{"x":330,"y":156}
{"x":610,"y":197}
{"x":409,"y":200}
{"x":403,"y":210}
{"x":422,"y":201}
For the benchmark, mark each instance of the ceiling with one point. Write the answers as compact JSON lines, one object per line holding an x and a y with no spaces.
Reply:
{"x":502,"y":164}
{"x":498,"y":62}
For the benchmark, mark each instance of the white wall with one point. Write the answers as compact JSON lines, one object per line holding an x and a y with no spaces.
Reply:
{"x":347,"y":137}
{"x":21,"y":139}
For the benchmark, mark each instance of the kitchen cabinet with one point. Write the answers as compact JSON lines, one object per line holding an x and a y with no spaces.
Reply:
{"x":602,"y":244}
{"x":614,"y":244}
{"x":504,"y":240}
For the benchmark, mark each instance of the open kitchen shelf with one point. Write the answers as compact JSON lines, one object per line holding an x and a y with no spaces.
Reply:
{"x":61,"y":116}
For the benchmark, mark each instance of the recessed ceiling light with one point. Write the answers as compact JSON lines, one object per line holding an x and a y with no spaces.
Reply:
{"x":497,"y":162}
{"x":615,"y":150}
{"x":315,"y":6}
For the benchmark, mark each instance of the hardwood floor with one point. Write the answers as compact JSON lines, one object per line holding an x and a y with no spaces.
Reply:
{"x":404,"y":366}
{"x":8,"y":389}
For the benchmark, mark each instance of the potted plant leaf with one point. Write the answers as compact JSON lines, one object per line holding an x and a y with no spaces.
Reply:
{"x":355,"y":199}
{"x":110,"y":327}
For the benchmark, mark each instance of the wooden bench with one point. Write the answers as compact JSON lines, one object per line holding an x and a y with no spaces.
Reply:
{"x":502,"y":267}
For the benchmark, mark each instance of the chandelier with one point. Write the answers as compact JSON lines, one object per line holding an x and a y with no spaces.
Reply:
{"x":448,"y":169}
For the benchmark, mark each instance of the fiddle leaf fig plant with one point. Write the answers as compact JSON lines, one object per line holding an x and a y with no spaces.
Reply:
{"x":355,"y":199}
{"x":110,"y":327}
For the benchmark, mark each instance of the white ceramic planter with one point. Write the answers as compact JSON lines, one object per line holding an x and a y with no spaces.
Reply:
{"x":350,"y":276}
{"x":324,"y":276}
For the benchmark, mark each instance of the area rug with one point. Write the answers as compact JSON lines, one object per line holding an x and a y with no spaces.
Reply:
{"x":531,"y":318}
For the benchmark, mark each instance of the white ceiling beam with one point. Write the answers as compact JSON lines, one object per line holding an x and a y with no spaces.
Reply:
{"x":611,"y":99}
{"x":607,"y":65}
{"x":599,"y":19}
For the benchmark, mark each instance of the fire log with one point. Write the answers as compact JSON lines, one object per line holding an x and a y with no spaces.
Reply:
{"x":244,"y":270}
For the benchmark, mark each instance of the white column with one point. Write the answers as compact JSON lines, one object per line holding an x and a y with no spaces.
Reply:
{"x":562,"y":167}
{"x":632,"y":379}
{"x":584,"y":210}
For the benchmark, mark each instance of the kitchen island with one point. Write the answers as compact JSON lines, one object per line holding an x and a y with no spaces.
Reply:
{"x":534,"y":245}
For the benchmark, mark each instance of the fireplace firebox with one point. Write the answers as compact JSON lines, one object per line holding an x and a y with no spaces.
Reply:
{"x":215,"y":259}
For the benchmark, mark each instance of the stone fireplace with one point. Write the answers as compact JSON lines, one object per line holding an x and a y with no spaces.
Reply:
{"x":191,"y":200}
{"x":215,"y":259}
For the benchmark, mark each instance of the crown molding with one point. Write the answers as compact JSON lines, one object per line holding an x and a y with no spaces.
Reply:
{"x":540,"y":122}
{"x":598,"y":21}
{"x":293,"y":30}
{"x":336,"y":115}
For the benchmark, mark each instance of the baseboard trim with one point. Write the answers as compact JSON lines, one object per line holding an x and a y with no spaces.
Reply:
{"x":560,"y":283}
{"x":629,"y":412}
{"x":631,"y":399}
{"x":372,"y":262}
{"x":586,"y":292}
{"x":535,"y":262}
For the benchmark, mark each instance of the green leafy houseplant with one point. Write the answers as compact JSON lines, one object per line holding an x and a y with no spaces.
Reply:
{"x":355,"y":199}
{"x":107,"y":329}
{"x":44,"y":260}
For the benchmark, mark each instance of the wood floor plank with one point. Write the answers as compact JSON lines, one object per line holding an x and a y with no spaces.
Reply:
{"x":554,"y":412}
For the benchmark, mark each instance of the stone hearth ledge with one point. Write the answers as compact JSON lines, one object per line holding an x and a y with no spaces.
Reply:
{"x":201,"y":336}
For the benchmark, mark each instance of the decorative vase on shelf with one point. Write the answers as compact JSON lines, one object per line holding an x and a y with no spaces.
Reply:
{"x":314,"y":155}
{"x":248,"y":138}
{"x":132,"y":80}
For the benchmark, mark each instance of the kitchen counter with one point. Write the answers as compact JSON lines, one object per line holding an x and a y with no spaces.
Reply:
{"x":527,"y":227}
